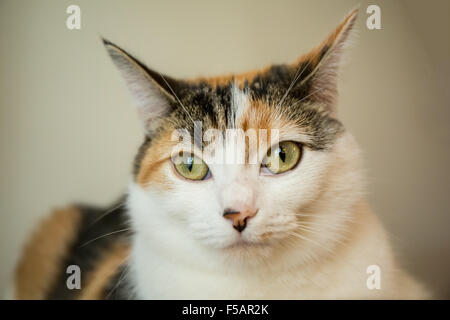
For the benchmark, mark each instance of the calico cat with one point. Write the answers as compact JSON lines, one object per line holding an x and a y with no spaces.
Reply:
{"x":293,"y":224}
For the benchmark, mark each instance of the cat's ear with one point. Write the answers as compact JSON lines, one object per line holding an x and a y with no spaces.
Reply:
{"x":153,"y":93}
{"x":322,"y":65}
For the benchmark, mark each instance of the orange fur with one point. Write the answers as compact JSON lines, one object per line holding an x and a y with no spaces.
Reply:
{"x":43,"y":254}
{"x":107,"y":267}
{"x":154,"y":160}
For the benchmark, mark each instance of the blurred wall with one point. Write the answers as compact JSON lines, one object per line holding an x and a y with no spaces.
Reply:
{"x":68,"y":131}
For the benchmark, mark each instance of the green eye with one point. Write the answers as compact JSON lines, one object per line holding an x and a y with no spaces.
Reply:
{"x":191,"y":167}
{"x":282,"y":158}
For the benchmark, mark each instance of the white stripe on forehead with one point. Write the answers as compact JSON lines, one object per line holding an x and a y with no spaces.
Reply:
{"x":240,"y":101}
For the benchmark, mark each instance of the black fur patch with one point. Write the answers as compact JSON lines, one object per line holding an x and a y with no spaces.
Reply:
{"x":99,"y":231}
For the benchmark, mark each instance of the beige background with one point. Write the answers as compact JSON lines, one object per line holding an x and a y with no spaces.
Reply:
{"x":68,"y":131}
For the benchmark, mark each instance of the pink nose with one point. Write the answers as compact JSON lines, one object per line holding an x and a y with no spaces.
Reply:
{"x":239,"y":218}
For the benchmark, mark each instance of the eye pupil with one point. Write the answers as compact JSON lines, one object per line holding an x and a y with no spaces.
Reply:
{"x":282,"y":154}
{"x":191,"y":167}
{"x":283,"y":157}
{"x":190,"y":163}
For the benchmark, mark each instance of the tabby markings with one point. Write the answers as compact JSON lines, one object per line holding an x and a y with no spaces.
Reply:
{"x":232,"y":146}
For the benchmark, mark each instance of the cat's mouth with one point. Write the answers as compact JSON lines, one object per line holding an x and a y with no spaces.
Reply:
{"x":246,"y":244}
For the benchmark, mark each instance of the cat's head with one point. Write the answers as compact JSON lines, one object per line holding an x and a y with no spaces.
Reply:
{"x":289,"y":181}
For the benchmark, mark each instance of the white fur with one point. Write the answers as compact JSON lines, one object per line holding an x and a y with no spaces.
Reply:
{"x":240,"y":102}
{"x":183,"y":248}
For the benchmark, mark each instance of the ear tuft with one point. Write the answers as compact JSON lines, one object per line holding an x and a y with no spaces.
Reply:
{"x":152,"y":99}
{"x":325,"y":61}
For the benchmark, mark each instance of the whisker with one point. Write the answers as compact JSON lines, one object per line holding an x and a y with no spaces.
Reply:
{"x":312,"y":241}
{"x":309,"y":215}
{"x":107,"y":212}
{"x":309,"y":230}
{"x":123,"y":274}
{"x":104,"y":235}
{"x":294,"y":80}
{"x":317,"y":232}
{"x":307,"y":96}
{"x":178,"y":99}
{"x":315,"y":223}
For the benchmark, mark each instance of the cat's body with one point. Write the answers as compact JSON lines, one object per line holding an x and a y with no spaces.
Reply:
{"x":297,"y":227}
{"x":96,"y":240}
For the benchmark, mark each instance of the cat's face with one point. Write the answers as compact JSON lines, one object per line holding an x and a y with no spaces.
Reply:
{"x":262,"y":161}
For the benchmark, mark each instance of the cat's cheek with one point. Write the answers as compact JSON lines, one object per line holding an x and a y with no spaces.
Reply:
{"x":311,"y":175}
{"x":197,"y":205}
{"x":282,"y":198}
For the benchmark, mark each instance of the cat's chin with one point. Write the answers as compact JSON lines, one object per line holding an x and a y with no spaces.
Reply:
{"x":246,"y":248}
{"x":245,"y":244}
{"x":244,"y":253}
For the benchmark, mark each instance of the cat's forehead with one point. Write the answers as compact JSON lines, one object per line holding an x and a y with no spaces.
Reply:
{"x":255,"y":100}
{"x":269,"y":84}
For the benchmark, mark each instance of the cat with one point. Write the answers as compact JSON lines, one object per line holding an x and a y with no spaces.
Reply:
{"x":293,"y":224}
